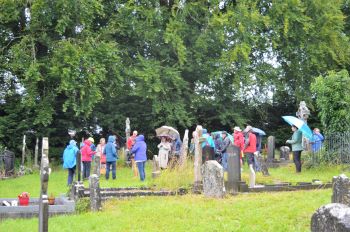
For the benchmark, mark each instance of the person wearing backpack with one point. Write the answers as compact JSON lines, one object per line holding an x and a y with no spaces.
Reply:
{"x":70,"y":160}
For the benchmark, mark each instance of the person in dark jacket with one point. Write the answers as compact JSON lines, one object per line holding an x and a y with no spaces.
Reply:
{"x":111,"y":157}
{"x":140,"y":150}
{"x":225,"y":143}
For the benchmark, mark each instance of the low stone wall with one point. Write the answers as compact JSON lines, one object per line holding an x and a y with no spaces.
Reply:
{"x":62,"y":206}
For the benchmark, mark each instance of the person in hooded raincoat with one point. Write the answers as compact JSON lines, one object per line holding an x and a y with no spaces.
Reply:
{"x":70,"y":159}
{"x":111,"y":157}
{"x":140,"y":150}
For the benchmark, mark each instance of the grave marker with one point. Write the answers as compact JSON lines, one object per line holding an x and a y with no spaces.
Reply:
{"x":44,"y":174}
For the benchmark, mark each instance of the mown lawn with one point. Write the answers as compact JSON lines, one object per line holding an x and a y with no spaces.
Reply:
{"x":284,"y":211}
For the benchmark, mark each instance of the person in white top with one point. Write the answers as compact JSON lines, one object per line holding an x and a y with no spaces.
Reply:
{"x":163,"y":154}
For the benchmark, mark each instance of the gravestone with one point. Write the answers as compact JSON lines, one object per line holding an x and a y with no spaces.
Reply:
{"x":97,"y":166}
{"x":36,"y":153}
{"x":333,"y":217}
{"x":95,"y":194}
{"x":78,"y":166}
{"x":208,"y":153}
{"x":156,"y":168}
{"x":44,"y":176}
{"x":127,"y":135}
{"x":341,"y":190}
{"x":284,"y":152}
{"x":197,"y":159}
{"x":270,"y":149}
{"x":213,"y":179}
{"x":233,"y":169}
{"x":184,"y":150}
{"x":263,"y":165}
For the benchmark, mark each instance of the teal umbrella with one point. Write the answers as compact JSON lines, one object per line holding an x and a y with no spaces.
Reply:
{"x":300,"y":124}
{"x":220,"y":132}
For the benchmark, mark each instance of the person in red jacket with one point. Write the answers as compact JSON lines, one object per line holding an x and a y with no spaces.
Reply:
{"x":239,"y":142}
{"x":86,"y":157}
{"x":249,"y":149}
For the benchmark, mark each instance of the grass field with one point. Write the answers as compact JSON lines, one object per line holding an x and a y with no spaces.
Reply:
{"x":282,"y":211}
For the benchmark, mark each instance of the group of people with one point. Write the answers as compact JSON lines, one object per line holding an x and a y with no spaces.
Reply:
{"x":297,"y":144}
{"x":108,"y":153}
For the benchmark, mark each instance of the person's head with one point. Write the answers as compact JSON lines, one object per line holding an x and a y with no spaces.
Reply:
{"x":134,"y":133}
{"x":91,"y":139}
{"x":163,"y":139}
{"x":316,"y":130}
{"x":224,"y":134}
{"x":248,"y":129}
{"x":102,"y":141}
{"x":294,"y":128}
{"x":72,"y":142}
{"x":237,"y":129}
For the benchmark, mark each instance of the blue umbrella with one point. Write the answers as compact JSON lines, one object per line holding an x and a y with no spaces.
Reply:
{"x":300,"y":124}
{"x":258,"y":131}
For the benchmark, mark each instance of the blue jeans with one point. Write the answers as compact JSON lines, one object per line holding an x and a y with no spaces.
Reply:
{"x":71,"y":172}
{"x":108,"y":167}
{"x":86,"y":169}
{"x":141,"y":167}
{"x":224,"y":161}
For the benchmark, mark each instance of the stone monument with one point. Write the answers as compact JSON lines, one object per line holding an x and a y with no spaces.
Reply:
{"x":213,"y":179}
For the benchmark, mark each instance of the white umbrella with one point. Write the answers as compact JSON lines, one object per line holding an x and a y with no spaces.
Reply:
{"x":167,"y":131}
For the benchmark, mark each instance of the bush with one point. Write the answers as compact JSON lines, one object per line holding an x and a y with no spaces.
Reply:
{"x":82,"y":205}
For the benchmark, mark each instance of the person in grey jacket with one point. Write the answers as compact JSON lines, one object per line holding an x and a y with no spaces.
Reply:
{"x":297,"y":147}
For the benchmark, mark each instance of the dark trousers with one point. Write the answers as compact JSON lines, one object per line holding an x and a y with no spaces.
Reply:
{"x":109,"y":166}
{"x":86,"y":169}
{"x":141,"y":167}
{"x":297,"y":161}
{"x":71,"y":172}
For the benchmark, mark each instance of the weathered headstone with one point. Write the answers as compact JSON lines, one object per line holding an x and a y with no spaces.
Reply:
{"x":233,"y":169}
{"x":36,"y":152}
{"x":97,"y":166}
{"x":156,"y":168}
{"x":270,"y":149}
{"x":213,"y":179}
{"x":184,"y":150}
{"x":95,"y":194}
{"x":44,"y":174}
{"x":127,"y":135}
{"x":341,"y":190}
{"x":333,"y":217}
{"x":264,"y":166}
{"x":284,"y":153}
{"x":78,"y":165}
{"x":197,"y":159}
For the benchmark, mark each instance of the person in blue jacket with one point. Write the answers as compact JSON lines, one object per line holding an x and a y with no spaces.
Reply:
{"x":317,"y":139}
{"x":110,"y":152}
{"x":70,"y":160}
{"x":140,"y":150}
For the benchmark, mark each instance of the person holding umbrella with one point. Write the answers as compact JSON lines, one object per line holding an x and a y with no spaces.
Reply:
{"x":297,"y":147}
{"x":163,"y":154}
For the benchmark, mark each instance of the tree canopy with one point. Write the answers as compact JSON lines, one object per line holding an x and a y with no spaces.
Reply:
{"x":87,"y":64}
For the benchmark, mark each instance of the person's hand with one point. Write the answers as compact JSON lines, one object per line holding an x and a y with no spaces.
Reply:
{"x":287,"y":141}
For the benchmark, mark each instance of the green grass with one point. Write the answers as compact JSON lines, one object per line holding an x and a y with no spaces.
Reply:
{"x":58,"y":182}
{"x":284,"y":211}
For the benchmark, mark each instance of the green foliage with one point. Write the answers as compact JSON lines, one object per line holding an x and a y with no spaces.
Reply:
{"x":82,"y":205}
{"x":333,"y":100}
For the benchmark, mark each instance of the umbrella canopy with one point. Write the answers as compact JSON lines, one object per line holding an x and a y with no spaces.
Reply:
{"x":258,"y":131}
{"x":300,"y":124}
{"x":167,"y":131}
{"x":220,"y":132}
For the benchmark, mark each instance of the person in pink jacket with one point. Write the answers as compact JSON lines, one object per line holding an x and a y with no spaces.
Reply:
{"x":239,"y":142}
{"x":86,"y":157}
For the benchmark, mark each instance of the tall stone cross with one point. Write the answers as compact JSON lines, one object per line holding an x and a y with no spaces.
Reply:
{"x":198,"y":158}
{"x":303,"y":113}
{"x":44,"y":176}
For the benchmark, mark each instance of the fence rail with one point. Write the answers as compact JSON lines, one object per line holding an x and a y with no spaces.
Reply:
{"x":335,"y":149}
